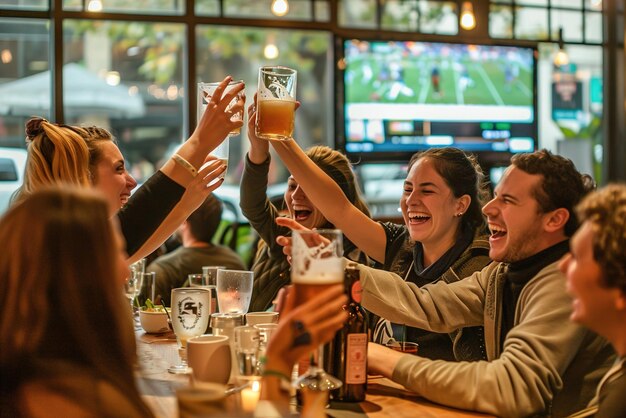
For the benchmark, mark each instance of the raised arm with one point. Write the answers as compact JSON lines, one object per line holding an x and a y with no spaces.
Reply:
{"x":254,"y":203}
{"x":328,"y":197}
{"x":155,"y":211}
{"x":212,"y":129}
{"x":208,"y":179}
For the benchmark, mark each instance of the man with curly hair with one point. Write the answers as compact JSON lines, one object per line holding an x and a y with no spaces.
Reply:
{"x":595,"y":269}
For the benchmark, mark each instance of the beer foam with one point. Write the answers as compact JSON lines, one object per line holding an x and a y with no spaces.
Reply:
{"x":280,"y":91}
{"x":321,"y":271}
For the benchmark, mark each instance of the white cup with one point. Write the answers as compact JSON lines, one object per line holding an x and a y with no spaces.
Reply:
{"x":209,"y":358}
{"x":254,"y":318}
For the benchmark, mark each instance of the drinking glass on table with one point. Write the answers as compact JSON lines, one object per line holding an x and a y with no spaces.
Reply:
{"x":234,"y":290}
{"x":317,"y":263}
{"x":148,"y":289}
{"x":196,"y":280}
{"x":132,"y":287}
{"x":210,"y":280}
{"x":190,"y":317}
{"x":276,"y":103}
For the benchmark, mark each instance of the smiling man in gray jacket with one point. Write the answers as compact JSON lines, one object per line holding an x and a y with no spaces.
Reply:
{"x":539,"y":363}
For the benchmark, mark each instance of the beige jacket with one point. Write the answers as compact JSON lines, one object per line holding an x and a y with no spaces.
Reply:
{"x":547,"y":366}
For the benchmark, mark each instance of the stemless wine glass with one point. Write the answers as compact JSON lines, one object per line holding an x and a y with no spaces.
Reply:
{"x":190,"y":317}
{"x":317,"y":263}
{"x":234,"y":290}
{"x":132,"y":287}
{"x":210,"y":279}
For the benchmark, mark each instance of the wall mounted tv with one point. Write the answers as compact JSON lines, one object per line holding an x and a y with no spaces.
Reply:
{"x":396,"y":98}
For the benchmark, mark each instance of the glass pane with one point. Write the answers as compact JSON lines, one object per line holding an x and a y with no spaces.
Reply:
{"x":207,"y":7}
{"x":400,"y":15}
{"x":570,"y":4}
{"x":240,"y":51}
{"x":438,"y":17}
{"x":24,"y":76}
{"x":593,"y":4}
{"x":127,"y":77}
{"x":500,"y":21}
{"x":570,"y":21}
{"x":124,"y":6}
{"x":357,"y":13}
{"x":531,"y":23}
{"x":24,"y":4}
{"x":532,"y":2}
{"x":298,"y":9}
{"x":322,"y":11}
{"x":571,"y":105}
{"x":593,"y":27}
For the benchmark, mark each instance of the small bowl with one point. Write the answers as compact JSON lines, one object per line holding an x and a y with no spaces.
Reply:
{"x":153,"y":322}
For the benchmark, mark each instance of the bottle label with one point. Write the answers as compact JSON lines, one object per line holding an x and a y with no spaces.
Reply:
{"x":356,"y":291}
{"x":356,"y":359}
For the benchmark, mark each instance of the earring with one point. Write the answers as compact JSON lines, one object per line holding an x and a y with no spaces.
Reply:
{"x":458,"y":215}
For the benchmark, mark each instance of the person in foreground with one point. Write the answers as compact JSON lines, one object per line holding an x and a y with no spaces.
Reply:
{"x":319,"y":318}
{"x":271,"y":268}
{"x":68,"y":345}
{"x":197,"y":250}
{"x":595,"y":269}
{"x":442,"y":239}
{"x":538,"y":362}
{"x":89,"y":157}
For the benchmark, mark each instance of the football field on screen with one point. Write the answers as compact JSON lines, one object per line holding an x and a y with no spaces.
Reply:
{"x":410,"y":80}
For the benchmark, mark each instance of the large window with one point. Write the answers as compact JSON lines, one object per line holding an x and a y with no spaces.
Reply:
{"x":24,"y":76}
{"x":128,"y":66}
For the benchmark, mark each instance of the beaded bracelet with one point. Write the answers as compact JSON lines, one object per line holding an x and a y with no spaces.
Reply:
{"x":185,"y":164}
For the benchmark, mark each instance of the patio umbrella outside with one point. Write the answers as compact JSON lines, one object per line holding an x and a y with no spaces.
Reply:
{"x":84,"y":94}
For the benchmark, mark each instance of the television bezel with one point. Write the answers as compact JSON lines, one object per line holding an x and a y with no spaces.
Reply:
{"x":485,"y":158}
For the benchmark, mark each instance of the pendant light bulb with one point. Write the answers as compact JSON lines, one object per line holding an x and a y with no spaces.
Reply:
{"x":280,"y":7}
{"x":468,"y":20}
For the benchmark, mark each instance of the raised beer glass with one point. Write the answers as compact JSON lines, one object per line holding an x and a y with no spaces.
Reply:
{"x":317,"y":263}
{"x":276,"y":103}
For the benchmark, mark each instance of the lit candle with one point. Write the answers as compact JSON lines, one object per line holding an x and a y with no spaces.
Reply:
{"x":250,"y":397}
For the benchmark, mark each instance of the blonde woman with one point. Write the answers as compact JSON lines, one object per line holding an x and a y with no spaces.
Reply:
{"x":89,"y":157}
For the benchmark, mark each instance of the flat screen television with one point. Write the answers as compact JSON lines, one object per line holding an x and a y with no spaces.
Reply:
{"x":399,"y":97}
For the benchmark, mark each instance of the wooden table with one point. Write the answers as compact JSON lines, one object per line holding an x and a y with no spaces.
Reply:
{"x":385,"y":399}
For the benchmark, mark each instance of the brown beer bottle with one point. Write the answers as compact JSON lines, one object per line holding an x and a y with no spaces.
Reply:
{"x":347,"y":352}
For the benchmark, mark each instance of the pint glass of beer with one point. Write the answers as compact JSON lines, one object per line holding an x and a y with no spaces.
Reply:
{"x":317,"y":263}
{"x":276,"y":103}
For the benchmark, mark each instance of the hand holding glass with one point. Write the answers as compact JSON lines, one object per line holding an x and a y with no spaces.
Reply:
{"x":205,"y":93}
{"x":317,"y":263}
{"x":276,"y":103}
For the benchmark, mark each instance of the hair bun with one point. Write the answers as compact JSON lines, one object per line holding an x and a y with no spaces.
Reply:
{"x":34,"y":128}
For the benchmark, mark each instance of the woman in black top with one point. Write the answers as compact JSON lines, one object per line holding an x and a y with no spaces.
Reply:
{"x":90,"y":157}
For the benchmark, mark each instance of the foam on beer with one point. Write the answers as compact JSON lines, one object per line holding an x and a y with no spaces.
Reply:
{"x":322,"y":271}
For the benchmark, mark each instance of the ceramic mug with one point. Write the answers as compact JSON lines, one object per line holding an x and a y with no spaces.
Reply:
{"x":209,"y":358}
